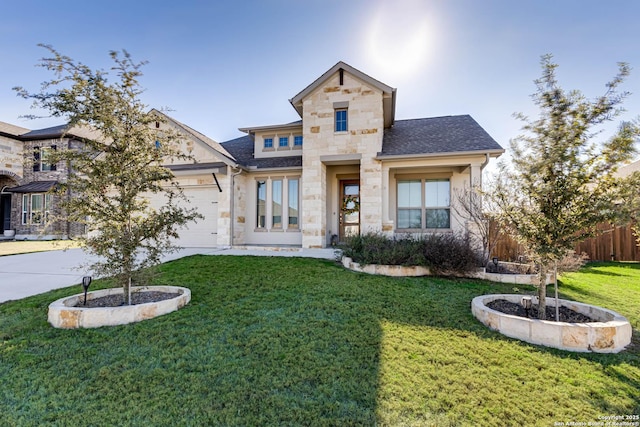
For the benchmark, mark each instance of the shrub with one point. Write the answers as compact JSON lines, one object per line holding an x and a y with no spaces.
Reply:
{"x":442,"y":253}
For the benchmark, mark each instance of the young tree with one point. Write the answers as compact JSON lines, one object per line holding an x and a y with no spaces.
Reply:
{"x":562,"y":183}
{"x":113,"y":170}
{"x":475,"y":206}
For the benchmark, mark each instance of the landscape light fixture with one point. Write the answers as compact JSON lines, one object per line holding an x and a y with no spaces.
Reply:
{"x":86,"y":281}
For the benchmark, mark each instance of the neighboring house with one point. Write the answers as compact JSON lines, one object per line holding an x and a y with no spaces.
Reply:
{"x":346,"y":167}
{"x":26,"y":181}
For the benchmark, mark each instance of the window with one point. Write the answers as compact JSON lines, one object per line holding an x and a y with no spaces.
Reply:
{"x":436,"y":196}
{"x":293,"y":203}
{"x":25,"y":209}
{"x":283,"y":141}
{"x":410,"y":204}
{"x":36,"y":208}
{"x":276,"y":206}
{"x":341,"y":120}
{"x":268,"y":143}
{"x":297,"y":141}
{"x":424,"y":204}
{"x":262,"y":204}
{"x":41,"y":159}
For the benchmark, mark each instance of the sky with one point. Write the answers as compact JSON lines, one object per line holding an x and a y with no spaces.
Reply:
{"x":219,"y":66}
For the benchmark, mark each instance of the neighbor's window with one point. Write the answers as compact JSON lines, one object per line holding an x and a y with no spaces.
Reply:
{"x":25,"y":209}
{"x":261,"y":203}
{"x":268,"y":143}
{"x":36,"y":208}
{"x":276,"y":205}
{"x":341,"y":120}
{"x":41,"y":159}
{"x":424,"y":204}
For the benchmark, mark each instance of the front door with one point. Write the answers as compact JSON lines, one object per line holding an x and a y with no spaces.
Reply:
{"x":349,"y":208}
{"x":5,"y":212}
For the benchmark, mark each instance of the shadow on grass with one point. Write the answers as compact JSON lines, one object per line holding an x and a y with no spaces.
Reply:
{"x":274,"y":341}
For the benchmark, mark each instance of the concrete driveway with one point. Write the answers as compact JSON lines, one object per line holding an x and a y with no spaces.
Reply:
{"x":31,"y":274}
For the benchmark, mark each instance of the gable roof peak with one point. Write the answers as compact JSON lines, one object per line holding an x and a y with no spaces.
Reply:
{"x":389,"y":93}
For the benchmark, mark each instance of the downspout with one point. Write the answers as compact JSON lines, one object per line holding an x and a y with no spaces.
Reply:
{"x":486,"y":162}
{"x":232,"y":203}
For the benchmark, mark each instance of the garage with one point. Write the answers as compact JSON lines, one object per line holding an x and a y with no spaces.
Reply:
{"x":203,"y":233}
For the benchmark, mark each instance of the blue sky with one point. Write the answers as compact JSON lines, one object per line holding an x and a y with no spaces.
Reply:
{"x":224,"y":65}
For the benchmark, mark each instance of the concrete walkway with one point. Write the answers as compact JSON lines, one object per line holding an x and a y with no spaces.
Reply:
{"x":31,"y":274}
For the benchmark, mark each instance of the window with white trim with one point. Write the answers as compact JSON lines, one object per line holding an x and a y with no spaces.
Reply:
{"x":283,"y":141}
{"x":297,"y":141}
{"x":424,"y":204}
{"x":294,"y":203}
{"x":277,"y":203}
{"x":36,"y":208}
{"x":261,"y":204}
{"x":268,"y":143}
{"x":341,"y":120}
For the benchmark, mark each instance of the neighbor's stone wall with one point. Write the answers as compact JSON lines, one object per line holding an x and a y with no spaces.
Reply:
{"x":10,"y":156}
{"x":55,"y":229}
{"x":364,"y":136}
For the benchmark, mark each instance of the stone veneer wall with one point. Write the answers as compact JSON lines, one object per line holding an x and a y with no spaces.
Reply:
{"x":364,"y":137}
{"x":57,"y":229}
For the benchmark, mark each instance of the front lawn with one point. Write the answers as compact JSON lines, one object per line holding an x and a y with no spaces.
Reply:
{"x":292,"y":341}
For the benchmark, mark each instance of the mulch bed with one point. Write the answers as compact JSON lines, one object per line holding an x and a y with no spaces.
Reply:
{"x":566,"y":314}
{"x":118,"y":300}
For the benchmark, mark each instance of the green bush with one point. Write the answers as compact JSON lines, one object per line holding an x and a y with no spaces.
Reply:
{"x":442,"y":253}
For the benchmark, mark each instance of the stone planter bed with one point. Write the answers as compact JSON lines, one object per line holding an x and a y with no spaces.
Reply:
{"x":608,"y":333}
{"x":417,"y":271}
{"x":69,"y":313}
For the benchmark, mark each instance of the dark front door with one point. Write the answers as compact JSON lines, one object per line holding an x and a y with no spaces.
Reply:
{"x":349,"y":208}
{"x":5,"y":212}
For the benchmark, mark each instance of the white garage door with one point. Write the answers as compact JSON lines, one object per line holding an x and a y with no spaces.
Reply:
{"x":202,"y":233}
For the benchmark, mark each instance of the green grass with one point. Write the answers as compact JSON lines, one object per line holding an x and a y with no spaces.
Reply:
{"x":291,"y":341}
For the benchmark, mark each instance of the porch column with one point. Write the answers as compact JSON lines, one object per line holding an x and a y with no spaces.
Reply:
{"x":371,"y":203}
{"x":314,"y":203}
{"x":387,"y":223}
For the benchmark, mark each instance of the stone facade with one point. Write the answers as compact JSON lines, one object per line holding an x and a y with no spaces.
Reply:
{"x":255,"y":205}
{"x":323,"y":147}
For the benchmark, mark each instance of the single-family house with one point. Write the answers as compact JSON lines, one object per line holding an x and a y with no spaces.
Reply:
{"x":346,"y":167}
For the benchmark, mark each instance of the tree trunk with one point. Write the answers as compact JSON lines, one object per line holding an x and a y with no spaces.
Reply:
{"x":542,"y":293}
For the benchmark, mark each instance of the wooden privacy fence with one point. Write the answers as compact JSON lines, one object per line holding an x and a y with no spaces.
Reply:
{"x":616,"y":243}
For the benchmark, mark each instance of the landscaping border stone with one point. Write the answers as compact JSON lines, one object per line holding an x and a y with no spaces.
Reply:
{"x":65,"y":314}
{"x":417,"y":271}
{"x":610,"y":333}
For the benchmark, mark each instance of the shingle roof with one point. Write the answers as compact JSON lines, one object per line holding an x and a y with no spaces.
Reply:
{"x":33,"y":187}
{"x":242,"y":150}
{"x":434,"y":135}
{"x":52,"y":132}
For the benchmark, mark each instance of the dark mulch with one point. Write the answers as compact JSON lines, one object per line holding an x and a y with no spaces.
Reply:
{"x":136,"y":298}
{"x":566,"y":314}
{"x":510,"y":268}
